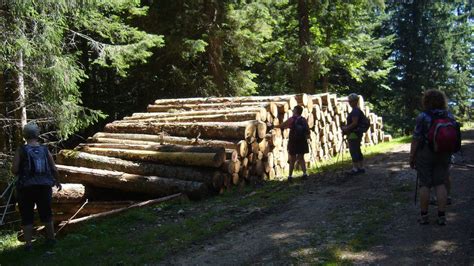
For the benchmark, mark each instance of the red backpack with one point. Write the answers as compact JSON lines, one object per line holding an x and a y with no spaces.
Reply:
{"x":444,"y":134}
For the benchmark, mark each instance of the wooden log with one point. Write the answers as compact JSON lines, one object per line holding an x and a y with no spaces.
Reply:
{"x":207,"y":106}
{"x":103,"y":137}
{"x":235,"y":179}
{"x":229,"y":117}
{"x":70,"y":193}
{"x":226,"y":100}
{"x":154,"y":147}
{"x":117,"y":211}
{"x":245,"y":109}
{"x":223,"y":130}
{"x":232,"y":155}
{"x":151,"y":185}
{"x":210,"y":159}
{"x":209,"y":176}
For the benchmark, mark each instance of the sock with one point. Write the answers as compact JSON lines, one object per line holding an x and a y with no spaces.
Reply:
{"x":440,"y":214}
{"x":423,"y":213}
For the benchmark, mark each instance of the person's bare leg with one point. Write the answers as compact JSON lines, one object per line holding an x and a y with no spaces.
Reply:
{"x":300,"y":158}
{"x":424,"y":199}
{"x":292,"y":160}
{"x":28,"y":234}
{"x":442,"y":196}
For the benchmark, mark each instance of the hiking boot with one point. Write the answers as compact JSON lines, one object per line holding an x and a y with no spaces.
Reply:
{"x":360,"y":171}
{"x":28,"y":248}
{"x":50,"y":242}
{"x":352,"y":172}
{"x":424,"y":219}
{"x":441,"y":220}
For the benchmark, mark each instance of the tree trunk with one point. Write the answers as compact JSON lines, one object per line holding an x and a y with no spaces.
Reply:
{"x":3,"y":114}
{"x":305,"y":66}
{"x":224,"y":130}
{"x":245,"y":109}
{"x":151,"y":185}
{"x":209,"y":176}
{"x":20,"y":101}
{"x":204,"y":106}
{"x":171,"y":158}
{"x":214,"y":48}
{"x":117,"y":211}
{"x":70,"y":193}
{"x":103,"y":137}
{"x":230,"y":117}
{"x":155,"y":147}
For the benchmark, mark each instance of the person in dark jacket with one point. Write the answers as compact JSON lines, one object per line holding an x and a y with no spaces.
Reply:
{"x":36,"y":173}
{"x":432,"y":168}
{"x":298,"y":140}
{"x":354,"y":135}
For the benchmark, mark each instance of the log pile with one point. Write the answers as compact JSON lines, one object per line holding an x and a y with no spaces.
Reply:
{"x":201,"y":146}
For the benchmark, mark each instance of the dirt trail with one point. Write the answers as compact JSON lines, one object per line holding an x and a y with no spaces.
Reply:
{"x":311,"y":222}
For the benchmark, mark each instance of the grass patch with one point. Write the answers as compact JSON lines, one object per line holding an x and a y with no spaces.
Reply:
{"x":151,"y":234}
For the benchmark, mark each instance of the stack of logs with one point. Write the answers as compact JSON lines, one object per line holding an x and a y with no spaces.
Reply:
{"x":201,"y":146}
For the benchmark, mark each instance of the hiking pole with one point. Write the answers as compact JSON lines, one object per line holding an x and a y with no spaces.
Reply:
{"x":73,"y":216}
{"x":416,"y":188}
{"x":7,"y":205}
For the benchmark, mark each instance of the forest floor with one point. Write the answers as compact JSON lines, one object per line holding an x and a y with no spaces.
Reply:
{"x":366,"y":219}
{"x":330,"y":218}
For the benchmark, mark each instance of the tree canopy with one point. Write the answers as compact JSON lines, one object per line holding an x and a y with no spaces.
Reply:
{"x":80,"y":61}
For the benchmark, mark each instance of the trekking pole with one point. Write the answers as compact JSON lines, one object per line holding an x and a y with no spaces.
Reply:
{"x":7,"y":205}
{"x":416,"y":188}
{"x":73,"y":216}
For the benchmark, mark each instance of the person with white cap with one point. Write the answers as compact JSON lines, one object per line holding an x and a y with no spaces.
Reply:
{"x":36,"y":173}
{"x":354,"y":130}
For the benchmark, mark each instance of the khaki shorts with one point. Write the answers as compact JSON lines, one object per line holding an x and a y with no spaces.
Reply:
{"x":432,"y":168}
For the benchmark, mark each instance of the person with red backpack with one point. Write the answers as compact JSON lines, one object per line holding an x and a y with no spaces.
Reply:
{"x":298,"y":140}
{"x":36,"y":173}
{"x":436,"y":137}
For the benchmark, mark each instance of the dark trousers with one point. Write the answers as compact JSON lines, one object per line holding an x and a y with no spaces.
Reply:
{"x":31,"y":195}
{"x":355,"y":151}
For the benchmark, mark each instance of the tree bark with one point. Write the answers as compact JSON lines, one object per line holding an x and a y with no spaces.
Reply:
{"x":245,"y":109}
{"x":144,"y":139}
{"x":20,"y":101}
{"x":209,"y":176}
{"x":171,"y":158}
{"x":155,"y":147}
{"x":230,"y":117}
{"x":204,"y":106}
{"x":151,"y":185}
{"x":214,"y":11}
{"x":3,"y":113}
{"x":224,"y":130}
{"x":305,"y":65}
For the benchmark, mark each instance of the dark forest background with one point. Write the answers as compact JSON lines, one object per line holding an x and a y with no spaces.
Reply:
{"x":73,"y":66}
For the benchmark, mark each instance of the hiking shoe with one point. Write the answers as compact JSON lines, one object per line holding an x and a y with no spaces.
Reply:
{"x":424,"y":219}
{"x":441,"y":220}
{"x":28,"y":248}
{"x":449,"y":201}
{"x":50,"y":242}
{"x":352,"y":172}
{"x":361,"y":171}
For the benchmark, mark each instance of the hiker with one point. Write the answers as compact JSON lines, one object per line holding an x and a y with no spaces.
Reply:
{"x":356,"y":126}
{"x":435,"y":139}
{"x":36,"y":173}
{"x":298,"y":140}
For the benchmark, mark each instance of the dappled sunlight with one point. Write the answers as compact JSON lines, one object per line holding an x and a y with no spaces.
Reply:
{"x":289,"y":235}
{"x":365,"y":257}
{"x":443,"y":246}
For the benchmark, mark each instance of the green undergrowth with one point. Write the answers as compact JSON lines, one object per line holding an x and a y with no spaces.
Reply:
{"x":151,"y":234}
